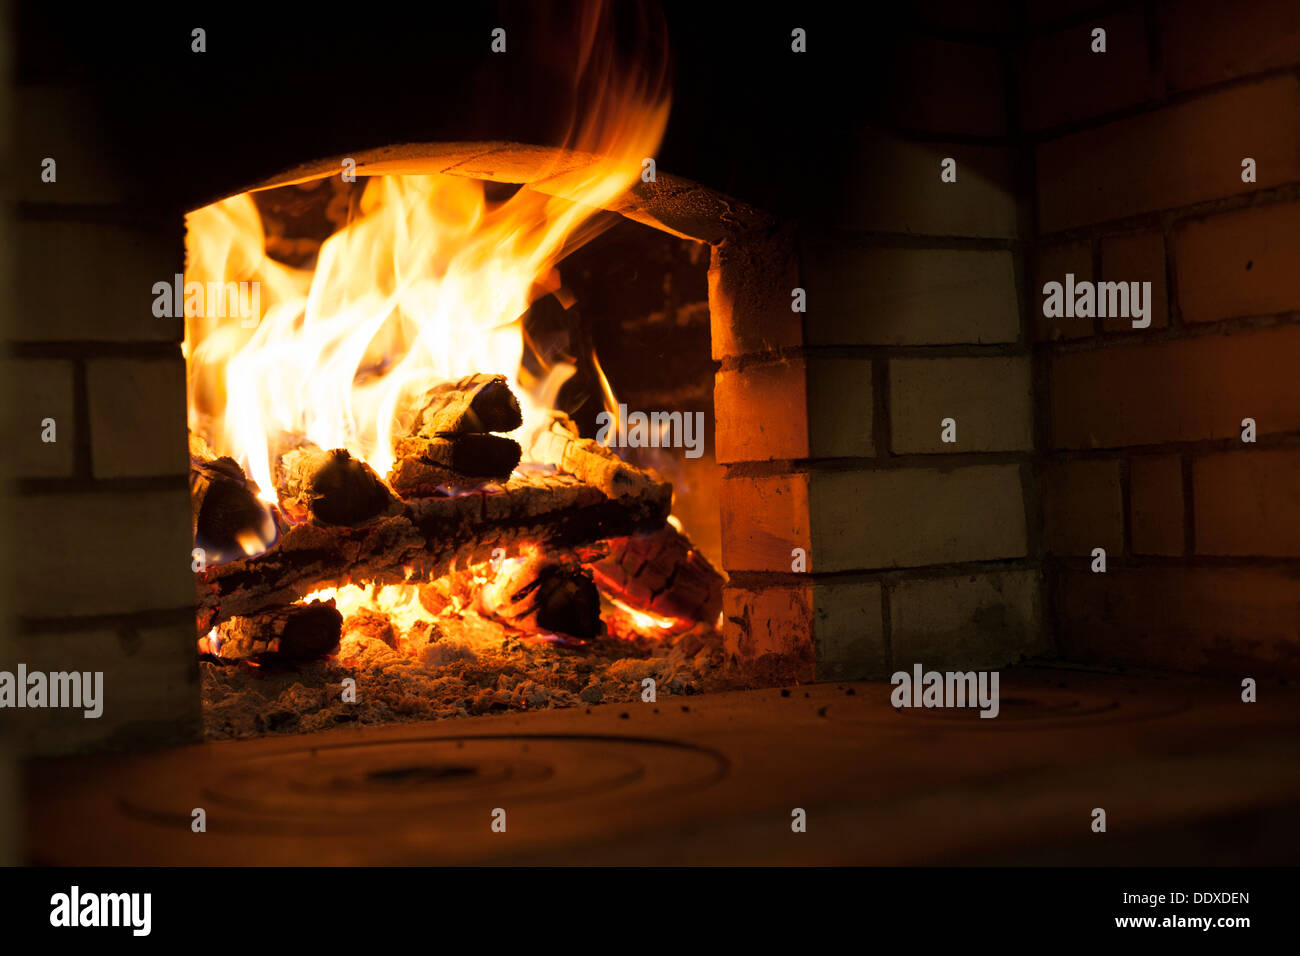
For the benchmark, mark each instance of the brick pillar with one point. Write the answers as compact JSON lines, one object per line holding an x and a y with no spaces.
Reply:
{"x":99,"y":537}
{"x":829,"y":425}
{"x":830,"y":422}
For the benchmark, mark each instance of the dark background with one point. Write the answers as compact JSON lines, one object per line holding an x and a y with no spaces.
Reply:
{"x":278,"y":86}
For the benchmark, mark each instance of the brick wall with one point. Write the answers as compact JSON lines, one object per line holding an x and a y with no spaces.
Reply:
{"x":1138,"y":157}
{"x":98,"y":542}
{"x":829,"y":423}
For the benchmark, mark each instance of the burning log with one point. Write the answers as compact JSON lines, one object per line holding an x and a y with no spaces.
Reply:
{"x":588,"y":460}
{"x":425,"y":539}
{"x":424,"y":463}
{"x":227,"y":518}
{"x":544,"y":594}
{"x":478,"y":456}
{"x":332,"y":487}
{"x":474,"y":404}
{"x":297,"y":632}
{"x":660,"y":573}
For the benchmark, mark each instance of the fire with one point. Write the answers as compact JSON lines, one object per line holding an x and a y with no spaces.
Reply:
{"x":400,"y":602}
{"x":642,"y":621}
{"x":428,"y":283}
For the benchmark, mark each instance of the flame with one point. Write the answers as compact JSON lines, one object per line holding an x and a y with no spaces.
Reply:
{"x":606,"y":395}
{"x":643,"y":622}
{"x":401,"y":602}
{"x":428,"y":283}
{"x":250,"y":543}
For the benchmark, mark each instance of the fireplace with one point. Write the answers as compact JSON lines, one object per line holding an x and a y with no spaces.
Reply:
{"x":906,"y":458}
{"x":474,"y":549}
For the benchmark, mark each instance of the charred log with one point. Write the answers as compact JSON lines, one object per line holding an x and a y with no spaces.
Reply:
{"x":661,"y":573}
{"x":474,"y":404}
{"x":332,"y":487}
{"x":227,"y":517}
{"x":425,"y":465}
{"x":425,"y":539}
{"x":588,"y":460}
{"x":475,"y":456}
{"x":298,"y":632}
{"x":543,"y":594}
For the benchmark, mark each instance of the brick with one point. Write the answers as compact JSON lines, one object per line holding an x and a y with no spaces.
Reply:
{"x":873,"y":296}
{"x":1052,"y":264}
{"x":1063,"y":81}
{"x":967,"y":621}
{"x":1239,"y":263}
{"x":1239,"y":621}
{"x":1205,"y":42}
{"x":114,"y":553}
{"x":137,"y":417}
{"x":768,"y":633}
{"x":819,"y":630}
{"x":751,"y":281}
{"x":93,"y":281}
{"x":913,"y":517}
{"x":763,"y":520}
{"x":1247,"y":503}
{"x":1171,"y":157}
{"x":816,"y":407}
{"x":990,"y":399}
{"x":1082,"y":507}
{"x":38,"y":389}
{"x":762,"y":412}
{"x":1156,"y":504}
{"x":861,"y":520}
{"x":840,"y":407}
{"x":963,"y":90}
{"x":896,"y":188}
{"x":1187,"y":390}
{"x":150,"y":689}
{"x":1139,"y":257}
{"x":58,"y":122}
{"x":848,"y":631}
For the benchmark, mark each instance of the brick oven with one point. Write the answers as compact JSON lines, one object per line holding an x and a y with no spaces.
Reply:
{"x":821,"y":423}
{"x":907,"y":462}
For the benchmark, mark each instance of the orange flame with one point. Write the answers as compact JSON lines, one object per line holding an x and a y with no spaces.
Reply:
{"x":429,"y":283}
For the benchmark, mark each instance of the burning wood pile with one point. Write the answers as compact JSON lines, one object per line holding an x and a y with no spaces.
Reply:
{"x":372,"y":508}
{"x":573,"y":551}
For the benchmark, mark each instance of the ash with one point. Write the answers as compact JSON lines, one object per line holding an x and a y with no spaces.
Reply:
{"x":471,"y":666}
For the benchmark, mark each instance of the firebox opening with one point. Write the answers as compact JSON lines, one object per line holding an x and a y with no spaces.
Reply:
{"x":449,"y":457}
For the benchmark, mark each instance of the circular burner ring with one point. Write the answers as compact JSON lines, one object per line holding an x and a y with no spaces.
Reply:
{"x":379,"y":784}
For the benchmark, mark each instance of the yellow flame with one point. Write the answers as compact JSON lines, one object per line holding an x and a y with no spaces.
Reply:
{"x":428,"y":283}
{"x":606,"y":394}
{"x":401,"y":602}
{"x":250,"y":543}
{"x":642,"y":621}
